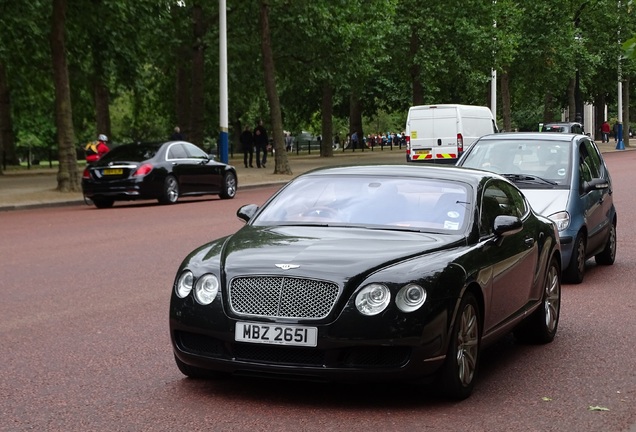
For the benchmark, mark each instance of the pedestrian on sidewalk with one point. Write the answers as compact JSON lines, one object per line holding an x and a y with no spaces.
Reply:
{"x":247,"y":142}
{"x":605,"y":131}
{"x":260,"y":143}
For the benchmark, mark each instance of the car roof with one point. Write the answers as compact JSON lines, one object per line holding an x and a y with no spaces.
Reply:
{"x":538,"y":136}
{"x":448,"y":173}
{"x":561,"y":123}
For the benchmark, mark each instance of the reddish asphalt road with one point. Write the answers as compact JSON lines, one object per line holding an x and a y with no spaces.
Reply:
{"x":85,"y":345}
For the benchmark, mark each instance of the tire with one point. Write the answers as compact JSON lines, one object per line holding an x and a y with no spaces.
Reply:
{"x":192,"y":371}
{"x":541,"y":326}
{"x":576,"y":268}
{"x":229,"y":186}
{"x":170,"y":193}
{"x":608,"y":255}
{"x":462,"y":360}
{"x":197,"y":373}
{"x":102,"y":203}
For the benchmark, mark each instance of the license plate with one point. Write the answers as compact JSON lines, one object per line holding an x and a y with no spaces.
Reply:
{"x":276,"y":334}
{"x":423,"y":152}
{"x":113,"y":171}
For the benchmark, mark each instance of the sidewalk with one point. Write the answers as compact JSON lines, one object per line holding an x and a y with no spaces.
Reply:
{"x":23,"y":189}
{"x":34,"y":188}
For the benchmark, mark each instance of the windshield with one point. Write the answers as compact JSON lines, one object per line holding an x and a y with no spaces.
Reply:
{"x":535,"y":162}
{"x":395,"y":203}
{"x":131,"y":153}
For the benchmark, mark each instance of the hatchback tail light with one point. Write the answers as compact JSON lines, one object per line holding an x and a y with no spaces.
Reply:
{"x":142,"y":170}
{"x":86,"y":174}
{"x":460,"y":143}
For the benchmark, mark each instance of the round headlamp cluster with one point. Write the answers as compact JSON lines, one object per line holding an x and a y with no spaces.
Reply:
{"x":205,"y":289}
{"x":375,"y":298}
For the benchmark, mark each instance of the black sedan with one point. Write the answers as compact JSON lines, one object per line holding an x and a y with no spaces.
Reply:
{"x":161,"y":171}
{"x":370,"y":272}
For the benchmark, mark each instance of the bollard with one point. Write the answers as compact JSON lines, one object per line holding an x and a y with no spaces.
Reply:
{"x":620,"y":145}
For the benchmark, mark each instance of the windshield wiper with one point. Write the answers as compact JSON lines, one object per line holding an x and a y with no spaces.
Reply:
{"x":529,"y":179}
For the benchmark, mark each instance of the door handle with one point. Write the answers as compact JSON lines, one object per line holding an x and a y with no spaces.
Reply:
{"x":529,"y":241}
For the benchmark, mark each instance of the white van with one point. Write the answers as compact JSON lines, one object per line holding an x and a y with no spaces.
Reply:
{"x":439,"y":133}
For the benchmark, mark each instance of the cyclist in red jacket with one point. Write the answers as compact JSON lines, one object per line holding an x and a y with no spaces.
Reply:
{"x":95,"y":150}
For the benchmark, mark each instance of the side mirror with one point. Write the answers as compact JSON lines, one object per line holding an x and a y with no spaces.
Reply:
{"x":247,"y":212}
{"x":506,"y":225}
{"x":595,"y":184}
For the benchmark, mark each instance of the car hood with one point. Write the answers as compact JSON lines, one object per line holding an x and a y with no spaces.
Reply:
{"x":547,"y":201}
{"x":325,"y":252}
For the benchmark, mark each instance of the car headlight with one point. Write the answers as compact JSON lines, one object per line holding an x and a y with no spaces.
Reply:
{"x":184,"y":284}
{"x":561,"y":219}
{"x":206,"y":288}
{"x":373,"y":299}
{"x":410,"y":298}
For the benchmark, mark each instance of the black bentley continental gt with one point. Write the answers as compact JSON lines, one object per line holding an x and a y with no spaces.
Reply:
{"x":161,"y":171}
{"x":370,"y":273}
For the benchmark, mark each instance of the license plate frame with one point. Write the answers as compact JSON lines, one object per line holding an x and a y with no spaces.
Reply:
{"x":112,"y":171}
{"x":276,"y":334}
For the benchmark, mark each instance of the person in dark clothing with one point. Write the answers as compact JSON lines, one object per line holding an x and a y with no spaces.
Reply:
{"x":247,"y":142}
{"x":176,"y":135}
{"x":260,"y":142}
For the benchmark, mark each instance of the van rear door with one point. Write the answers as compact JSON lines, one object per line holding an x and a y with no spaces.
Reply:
{"x":432,"y":132}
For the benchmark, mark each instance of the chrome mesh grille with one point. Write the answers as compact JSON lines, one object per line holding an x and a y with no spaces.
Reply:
{"x":282,"y":297}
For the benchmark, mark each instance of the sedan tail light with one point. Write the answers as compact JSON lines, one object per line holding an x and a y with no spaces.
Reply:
{"x":142,"y":170}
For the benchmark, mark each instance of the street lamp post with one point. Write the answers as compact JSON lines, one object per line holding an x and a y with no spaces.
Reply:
{"x":223,"y":109}
{"x":619,"y":139}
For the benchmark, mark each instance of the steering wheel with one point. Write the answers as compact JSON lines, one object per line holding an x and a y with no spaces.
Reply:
{"x":321,"y":212}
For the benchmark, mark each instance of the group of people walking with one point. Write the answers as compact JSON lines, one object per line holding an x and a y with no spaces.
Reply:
{"x":255,"y":141}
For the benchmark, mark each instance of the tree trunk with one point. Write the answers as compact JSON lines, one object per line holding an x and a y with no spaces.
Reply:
{"x":355,"y":118}
{"x":548,"y":115}
{"x":100,"y":92}
{"x":414,"y":70}
{"x":68,"y":176}
{"x":326,"y":149}
{"x":8,"y":155}
{"x":505,"y":101}
{"x":182,"y":81}
{"x":600,"y":115}
{"x":282,"y":163}
{"x":572,"y":100}
{"x":197,"y":121}
{"x":182,"y":96}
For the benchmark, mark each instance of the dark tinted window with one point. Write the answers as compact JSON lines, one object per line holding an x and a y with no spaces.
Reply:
{"x":195,"y":152}
{"x":131,"y":152}
{"x":177,"y":151}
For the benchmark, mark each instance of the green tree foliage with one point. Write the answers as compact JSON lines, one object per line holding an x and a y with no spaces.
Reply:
{"x":339,"y":65}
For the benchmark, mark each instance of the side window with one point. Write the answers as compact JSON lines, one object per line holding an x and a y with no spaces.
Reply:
{"x":588,"y":169}
{"x":177,"y":151}
{"x":594,"y":157}
{"x":195,"y":152}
